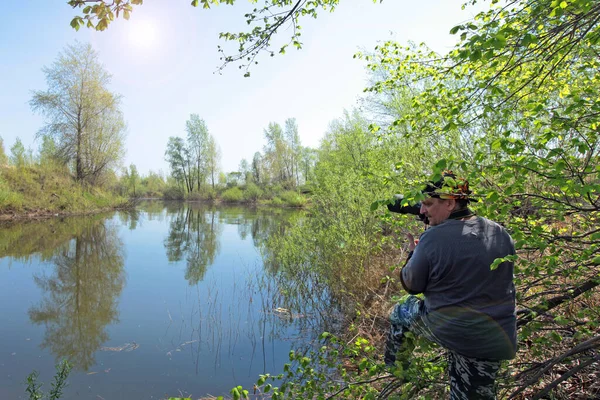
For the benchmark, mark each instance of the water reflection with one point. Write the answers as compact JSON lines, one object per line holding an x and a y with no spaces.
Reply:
{"x":130,"y":218}
{"x":232,"y":317}
{"x":194,"y":235}
{"x":80,"y":296}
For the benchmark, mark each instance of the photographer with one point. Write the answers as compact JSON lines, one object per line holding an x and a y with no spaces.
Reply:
{"x":469,"y":309}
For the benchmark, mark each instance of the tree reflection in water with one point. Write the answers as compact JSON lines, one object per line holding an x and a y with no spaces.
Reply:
{"x":194,"y":234}
{"x":81,"y":295}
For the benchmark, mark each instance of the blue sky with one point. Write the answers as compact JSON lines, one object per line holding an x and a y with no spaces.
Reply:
{"x":163,"y":62}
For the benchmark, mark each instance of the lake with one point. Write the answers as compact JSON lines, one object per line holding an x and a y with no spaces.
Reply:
{"x":171,"y":299}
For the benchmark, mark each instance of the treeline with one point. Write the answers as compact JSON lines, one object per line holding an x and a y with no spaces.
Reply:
{"x":278,"y":175}
{"x":82,"y":148}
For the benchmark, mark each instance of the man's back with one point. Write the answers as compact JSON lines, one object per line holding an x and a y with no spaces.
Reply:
{"x":470,"y":308}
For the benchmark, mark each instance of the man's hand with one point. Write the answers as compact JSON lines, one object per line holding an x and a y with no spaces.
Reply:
{"x":412,"y":242}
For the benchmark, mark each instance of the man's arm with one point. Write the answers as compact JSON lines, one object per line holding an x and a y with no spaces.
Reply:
{"x":415,"y":273}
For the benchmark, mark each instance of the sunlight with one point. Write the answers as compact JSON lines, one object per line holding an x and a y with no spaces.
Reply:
{"x":143,"y":34}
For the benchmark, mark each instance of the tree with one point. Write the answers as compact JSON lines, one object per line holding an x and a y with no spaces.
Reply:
{"x":154,"y":183}
{"x":295,"y":148}
{"x":177,"y":155}
{"x":3,"y":157}
{"x":257,"y":168}
{"x":48,"y":153}
{"x":308,"y":158}
{"x":198,"y":145}
{"x":18,"y":154}
{"x":275,"y":153}
{"x":264,"y":23}
{"x":213,"y":160}
{"x":244,"y":171}
{"x":134,"y":177}
{"x":83,"y":116}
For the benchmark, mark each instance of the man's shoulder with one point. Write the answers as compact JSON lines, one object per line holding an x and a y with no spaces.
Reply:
{"x":450,"y":227}
{"x":443,"y":229}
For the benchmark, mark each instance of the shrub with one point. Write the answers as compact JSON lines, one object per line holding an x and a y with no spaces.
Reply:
{"x":210,"y":194}
{"x":173,"y":193}
{"x":293,"y":199}
{"x":232,"y":195}
{"x":252,"y":193}
{"x":276,"y":201}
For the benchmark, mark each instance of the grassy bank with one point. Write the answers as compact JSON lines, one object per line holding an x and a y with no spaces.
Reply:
{"x":31,"y":191}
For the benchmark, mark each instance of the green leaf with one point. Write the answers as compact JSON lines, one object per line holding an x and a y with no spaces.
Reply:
{"x":454,"y":30}
{"x":492,"y":196}
{"x":375,"y":205}
{"x":475,"y":55}
{"x":75,"y":23}
{"x":441,"y":165}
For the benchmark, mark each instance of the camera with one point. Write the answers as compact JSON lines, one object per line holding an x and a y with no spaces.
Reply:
{"x":414,"y":209}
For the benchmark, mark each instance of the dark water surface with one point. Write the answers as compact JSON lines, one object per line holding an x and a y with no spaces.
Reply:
{"x":174,"y":299}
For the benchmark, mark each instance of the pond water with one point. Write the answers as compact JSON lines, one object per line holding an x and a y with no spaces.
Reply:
{"x":166,"y":301}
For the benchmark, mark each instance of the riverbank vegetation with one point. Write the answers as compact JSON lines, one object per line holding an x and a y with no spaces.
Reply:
{"x":513,"y":109}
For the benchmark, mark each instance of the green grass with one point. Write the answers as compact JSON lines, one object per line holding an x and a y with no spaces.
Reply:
{"x":50,"y":191}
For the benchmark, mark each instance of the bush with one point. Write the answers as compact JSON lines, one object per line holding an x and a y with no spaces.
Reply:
{"x":173,"y":193}
{"x":252,"y":193}
{"x":195,"y":196}
{"x":232,"y":195}
{"x":274,"y":191}
{"x":210,"y":194}
{"x":293,"y":199}
{"x":276,"y":201}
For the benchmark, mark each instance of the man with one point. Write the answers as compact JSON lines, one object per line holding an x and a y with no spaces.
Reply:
{"x":469,"y":308}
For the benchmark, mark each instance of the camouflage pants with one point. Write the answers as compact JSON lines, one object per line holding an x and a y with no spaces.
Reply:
{"x":470,"y":378}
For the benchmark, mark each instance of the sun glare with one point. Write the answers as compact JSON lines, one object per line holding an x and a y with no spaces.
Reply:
{"x":143,"y":34}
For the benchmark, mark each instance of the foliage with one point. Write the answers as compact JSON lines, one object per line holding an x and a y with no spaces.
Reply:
{"x":232,"y":195}
{"x":82,"y":114}
{"x":198,"y":141}
{"x":521,"y":86}
{"x":3,"y":157}
{"x":252,"y":192}
{"x":58,"y":385}
{"x":517,"y":116}
{"x":194,"y":160}
{"x":319,"y":374}
{"x":293,"y":199}
{"x":17,"y":154}
{"x":281,"y":162}
{"x":173,"y":193}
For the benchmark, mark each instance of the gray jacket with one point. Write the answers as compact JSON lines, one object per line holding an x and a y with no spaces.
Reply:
{"x":469,"y":308}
